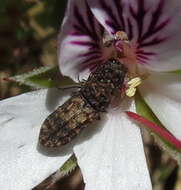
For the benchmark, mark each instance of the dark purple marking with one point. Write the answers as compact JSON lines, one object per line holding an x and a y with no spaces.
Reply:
{"x":79,"y":30}
{"x":117,"y":21}
{"x":142,"y":61}
{"x":82,"y":26}
{"x":92,"y":58}
{"x":112,"y":25}
{"x":139,"y":16}
{"x":120,"y":8}
{"x":156,"y":15}
{"x":143,"y":57}
{"x":83,"y":43}
{"x":155,"y":27}
{"x":114,"y":22}
{"x":143,"y":52}
{"x":92,"y":24}
{"x":77,"y":34}
{"x":93,"y":52}
{"x":87,"y":25}
{"x":154,"y":41}
{"x":91,"y":65}
{"x":130,"y":29}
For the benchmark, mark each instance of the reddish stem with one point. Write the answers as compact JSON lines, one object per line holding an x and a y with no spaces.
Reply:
{"x":156,"y":129}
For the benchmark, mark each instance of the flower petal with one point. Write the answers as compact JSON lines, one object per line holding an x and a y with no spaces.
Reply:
{"x":153,"y":26}
{"x":162,"y":92}
{"x":114,"y":157}
{"x":22,"y":165}
{"x":80,"y":41}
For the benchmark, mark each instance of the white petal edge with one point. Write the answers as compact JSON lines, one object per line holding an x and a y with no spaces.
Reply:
{"x":113,"y":158}
{"x":72,"y":57}
{"x":162,"y":92}
{"x":22,"y":166}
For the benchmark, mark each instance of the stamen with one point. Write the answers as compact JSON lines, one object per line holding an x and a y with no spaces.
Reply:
{"x":135,"y":82}
{"x":118,"y":46}
{"x":132,"y":84}
{"x":130,"y":92}
{"x":121,"y":35}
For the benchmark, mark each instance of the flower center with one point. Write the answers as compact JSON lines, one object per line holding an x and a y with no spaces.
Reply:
{"x":119,"y":47}
{"x":126,"y":53}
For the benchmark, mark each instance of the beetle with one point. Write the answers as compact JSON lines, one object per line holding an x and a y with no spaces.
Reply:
{"x":84,"y":106}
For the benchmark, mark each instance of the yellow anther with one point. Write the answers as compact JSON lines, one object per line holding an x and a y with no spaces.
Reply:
{"x":132,"y":84}
{"x":130,"y":92}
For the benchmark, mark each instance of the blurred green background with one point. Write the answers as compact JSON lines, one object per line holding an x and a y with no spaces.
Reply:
{"x":28,"y":40}
{"x":28,"y":34}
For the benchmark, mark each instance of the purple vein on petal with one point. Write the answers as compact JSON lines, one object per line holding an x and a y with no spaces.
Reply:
{"x":87,"y":26}
{"x":93,"y":52}
{"x":91,"y":58}
{"x":84,"y":43}
{"x":82,"y":26}
{"x":119,"y":8}
{"x":111,"y":25}
{"x":92,"y":64}
{"x":89,"y":33}
{"x":154,"y":41}
{"x":130,"y":29}
{"x":144,"y":56}
{"x":114,"y":22}
{"x":154,"y":27}
{"x":141,"y":61}
{"x":139,"y":16}
{"x":143,"y":52}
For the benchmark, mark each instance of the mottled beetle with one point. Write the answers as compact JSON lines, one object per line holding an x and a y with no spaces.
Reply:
{"x":85,"y":106}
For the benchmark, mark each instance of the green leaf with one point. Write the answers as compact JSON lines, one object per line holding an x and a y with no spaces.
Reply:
{"x":65,"y":169}
{"x":44,"y":77}
{"x":176,"y":72}
{"x":144,"y":110}
{"x":68,"y":166}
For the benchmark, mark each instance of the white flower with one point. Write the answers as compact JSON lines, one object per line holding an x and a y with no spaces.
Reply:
{"x":111,"y":148}
{"x":110,"y":154}
{"x":153,"y":49}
